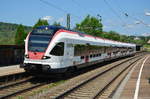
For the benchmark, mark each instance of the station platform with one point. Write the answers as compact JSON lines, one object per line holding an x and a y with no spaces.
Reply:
{"x":136,"y":85}
{"x":8,"y":70}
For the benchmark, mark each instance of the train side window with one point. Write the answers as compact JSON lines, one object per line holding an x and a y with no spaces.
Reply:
{"x":94,"y":55}
{"x":87,"y":56}
{"x":90,"y":56}
{"x":99,"y":54}
{"x":82,"y":57}
{"x":58,"y":50}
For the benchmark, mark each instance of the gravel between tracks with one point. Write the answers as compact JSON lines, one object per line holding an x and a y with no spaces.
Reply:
{"x":73,"y":82}
{"x":19,"y":87}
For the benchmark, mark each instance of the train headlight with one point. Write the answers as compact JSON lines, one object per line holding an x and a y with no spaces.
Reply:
{"x":46,"y":57}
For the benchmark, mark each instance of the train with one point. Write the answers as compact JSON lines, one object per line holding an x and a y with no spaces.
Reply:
{"x":56,"y":49}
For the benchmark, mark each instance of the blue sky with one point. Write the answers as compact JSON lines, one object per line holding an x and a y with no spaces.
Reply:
{"x":27,"y":12}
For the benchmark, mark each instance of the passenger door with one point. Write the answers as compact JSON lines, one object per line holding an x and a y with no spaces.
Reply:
{"x":69,"y":54}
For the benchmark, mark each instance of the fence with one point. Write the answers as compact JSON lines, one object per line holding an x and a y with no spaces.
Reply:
{"x":11,"y":54}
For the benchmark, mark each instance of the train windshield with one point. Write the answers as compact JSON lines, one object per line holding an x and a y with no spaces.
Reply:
{"x":39,"y":39}
{"x":43,"y":31}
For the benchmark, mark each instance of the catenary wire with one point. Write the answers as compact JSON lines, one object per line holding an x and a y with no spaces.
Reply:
{"x":59,"y":8}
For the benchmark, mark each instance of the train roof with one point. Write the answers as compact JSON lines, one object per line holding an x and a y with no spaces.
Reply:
{"x":104,"y":41}
{"x":51,"y":27}
{"x":57,"y":28}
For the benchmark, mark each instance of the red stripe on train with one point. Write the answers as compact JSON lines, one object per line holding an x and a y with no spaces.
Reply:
{"x":36,"y":55}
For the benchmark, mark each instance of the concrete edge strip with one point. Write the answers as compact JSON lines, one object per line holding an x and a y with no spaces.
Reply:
{"x":121,"y":87}
{"x":138,"y":80}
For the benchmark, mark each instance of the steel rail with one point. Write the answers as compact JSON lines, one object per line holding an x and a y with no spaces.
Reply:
{"x":67,"y":92}
{"x":17,"y":89}
{"x":102,"y":90}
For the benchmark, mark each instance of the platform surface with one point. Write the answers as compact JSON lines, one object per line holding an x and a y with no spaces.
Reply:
{"x":137,"y":85}
{"x":8,"y":70}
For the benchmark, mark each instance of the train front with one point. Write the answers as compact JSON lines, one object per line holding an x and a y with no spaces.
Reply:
{"x":37,"y":58}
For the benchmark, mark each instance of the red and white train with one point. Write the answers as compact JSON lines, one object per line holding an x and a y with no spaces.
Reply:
{"x":57,"y":49}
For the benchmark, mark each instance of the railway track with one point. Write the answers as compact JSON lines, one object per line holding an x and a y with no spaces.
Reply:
{"x":92,"y":84}
{"x":23,"y":85}
{"x":112,"y":86}
{"x":12,"y":78}
{"x":17,"y":87}
{"x":95,"y":86}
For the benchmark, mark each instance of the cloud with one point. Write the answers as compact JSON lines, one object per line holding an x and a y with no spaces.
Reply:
{"x":148,"y":25}
{"x":146,"y":34}
{"x":111,"y":23}
{"x":129,"y":26}
{"x":47,"y":18}
{"x":105,"y":27}
{"x":137,"y":22}
{"x":147,"y":13}
{"x":60,"y":19}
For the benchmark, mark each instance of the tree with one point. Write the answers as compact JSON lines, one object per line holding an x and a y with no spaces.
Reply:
{"x":114,"y":35}
{"x":56,"y":23}
{"x":40,"y":23}
{"x":91,"y":25}
{"x":20,"y":35}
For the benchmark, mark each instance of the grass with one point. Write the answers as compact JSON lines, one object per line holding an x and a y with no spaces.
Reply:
{"x":147,"y":47}
{"x":39,"y":90}
{"x":19,"y":97}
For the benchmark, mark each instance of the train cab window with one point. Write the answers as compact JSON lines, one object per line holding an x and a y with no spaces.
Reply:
{"x":58,"y":50}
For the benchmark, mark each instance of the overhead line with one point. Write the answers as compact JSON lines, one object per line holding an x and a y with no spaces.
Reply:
{"x":141,"y":21}
{"x":54,"y":6}
{"x":134,"y":18}
{"x":75,"y":2}
{"x":111,"y":8}
{"x":58,"y":8}
{"x":114,"y":11}
{"x":120,"y":7}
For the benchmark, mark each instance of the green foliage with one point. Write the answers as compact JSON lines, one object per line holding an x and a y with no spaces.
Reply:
{"x":8,"y":31}
{"x":56,"y":23}
{"x":147,"y":47}
{"x":123,"y":38}
{"x":93,"y":26}
{"x":113,"y":36}
{"x":90,"y":25}
{"x":40,"y":23}
{"x":20,"y":35}
{"x":20,"y":97}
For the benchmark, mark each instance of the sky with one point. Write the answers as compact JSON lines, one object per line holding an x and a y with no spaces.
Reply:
{"x":129,"y":17}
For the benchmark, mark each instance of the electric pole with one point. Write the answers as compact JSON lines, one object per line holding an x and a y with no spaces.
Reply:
{"x":68,"y":21}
